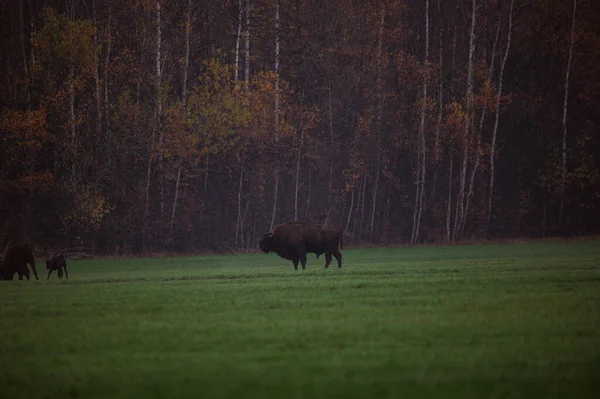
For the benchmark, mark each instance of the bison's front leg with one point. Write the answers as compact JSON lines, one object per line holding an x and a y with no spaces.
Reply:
{"x":67,"y":273}
{"x":295,"y":261}
{"x":49,"y":273}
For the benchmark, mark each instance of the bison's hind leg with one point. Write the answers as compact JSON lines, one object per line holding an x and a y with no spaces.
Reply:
{"x":295,"y":261}
{"x":338,"y":256}
{"x":327,"y":259}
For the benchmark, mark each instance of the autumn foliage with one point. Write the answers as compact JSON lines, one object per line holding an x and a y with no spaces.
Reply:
{"x":100,"y":148}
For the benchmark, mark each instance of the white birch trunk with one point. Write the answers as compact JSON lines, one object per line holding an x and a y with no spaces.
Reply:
{"x":72,"y":118}
{"x":379,"y":126}
{"x":449,"y":210}
{"x":351,"y":209}
{"x":184,"y":103}
{"x":460,"y":210}
{"x":479,"y":133}
{"x":276,"y":172}
{"x":438,"y":127}
{"x":563,"y":175}
{"x":158,"y":112}
{"x":421,"y":176}
{"x":331,"y":151}
{"x":495,"y":131}
{"x":237,"y":42}
{"x":25,"y":66}
{"x":32,"y":32}
{"x":298,"y":171}
{"x":106,"y":69}
{"x":308,"y":194}
{"x":97,"y":96}
{"x":239,"y":217}
{"x":247,"y":47}
{"x":177,"y":183}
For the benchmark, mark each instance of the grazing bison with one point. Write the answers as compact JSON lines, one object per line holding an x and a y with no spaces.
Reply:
{"x":293,"y":240}
{"x":16,"y":257}
{"x":57,"y":262}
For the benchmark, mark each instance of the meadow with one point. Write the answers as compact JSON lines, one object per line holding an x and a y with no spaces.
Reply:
{"x":473,"y":321}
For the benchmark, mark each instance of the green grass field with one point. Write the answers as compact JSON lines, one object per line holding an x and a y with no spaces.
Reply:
{"x":480,"y":321}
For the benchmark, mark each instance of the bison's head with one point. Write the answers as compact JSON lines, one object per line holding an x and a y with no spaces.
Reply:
{"x":267,"y":242}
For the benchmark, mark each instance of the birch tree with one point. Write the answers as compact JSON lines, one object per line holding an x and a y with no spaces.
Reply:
{"x":563,"y":174}
{"x":460,"y":210}
{"x":186,"y":64}
{"x":238,"y":38}
{"x":379,"y":120}
{"x":421,"y":169}
{"x":495,"y":131}
{"x":276,"y":171}
{"x":247,"y":47}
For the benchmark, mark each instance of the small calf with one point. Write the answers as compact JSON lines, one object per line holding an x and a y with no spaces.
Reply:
{"x":57,"y":262}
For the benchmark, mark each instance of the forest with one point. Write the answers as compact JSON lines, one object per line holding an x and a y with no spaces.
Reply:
{"x":144,"y":126}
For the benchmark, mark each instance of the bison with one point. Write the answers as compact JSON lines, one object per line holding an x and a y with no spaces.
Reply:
{"x":16,"y":257}
{"x":57,"y":262}
{"x":293,"y":240}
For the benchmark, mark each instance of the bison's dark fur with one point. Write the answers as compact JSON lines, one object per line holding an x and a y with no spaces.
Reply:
{"x":293,"y":240}
{"x":16,"y":257}
{"x":57,"y":262}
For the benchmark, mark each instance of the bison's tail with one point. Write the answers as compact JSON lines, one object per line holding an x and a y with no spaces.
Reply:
{"x":341,"y":238}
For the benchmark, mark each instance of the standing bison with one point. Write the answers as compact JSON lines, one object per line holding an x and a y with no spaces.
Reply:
{"x":57,"y":262}
{"x":16,"y":257}
{"x":293,"y":240}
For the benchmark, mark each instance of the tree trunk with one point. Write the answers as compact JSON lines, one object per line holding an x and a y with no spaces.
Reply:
{"x":495,"y":131}
{"x":237,"y":42}
{"x":158,"y":111}
{"x":177,"y":183}
{"x":72,"y":118}
{"x":184,"y":104}
{"x":563,"y":174}
{"x":298,"y":170}
{"x":331,"y":152}
{"x":186,"y":67}
{"x":449,"y":210}
{"x":106,"y":69}
{"x":247,"y":66}
{"x":438,"y":127}
{"x":308,"y":194}
{"x":23,"y":52}
{"x":32,"y":32}
{"x":351,"y":208}
{"x":379,"y":126}
{"x":421,"y":175}
{"x":460,"y":209}
{"x":98,"y":96}
{"x":276,"y":172}
{"x":239,"y":217}
{"x":373,"y":205}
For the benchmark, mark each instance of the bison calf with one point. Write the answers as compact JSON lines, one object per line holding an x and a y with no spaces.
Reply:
{"x":293,"y":240}
{"x":57,"y":262}
{"x":16,"y":257}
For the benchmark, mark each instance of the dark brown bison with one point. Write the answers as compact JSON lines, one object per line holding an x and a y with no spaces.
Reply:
{"x":16,"y":257}
{"x":293,"y":240}
{"x":57,"y":262}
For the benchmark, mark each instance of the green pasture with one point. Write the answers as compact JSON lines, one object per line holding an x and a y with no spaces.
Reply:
{"x":478,"y":321}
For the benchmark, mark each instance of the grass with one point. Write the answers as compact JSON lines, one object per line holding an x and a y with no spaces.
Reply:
{"x":479,"y":321}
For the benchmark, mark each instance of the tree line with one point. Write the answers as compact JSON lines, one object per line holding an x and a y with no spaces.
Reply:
{"x":132,"y":126}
